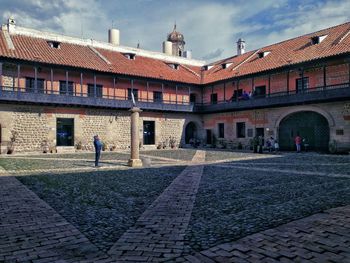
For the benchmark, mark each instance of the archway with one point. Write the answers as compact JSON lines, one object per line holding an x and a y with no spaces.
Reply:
{"x":190,"y":132}
{"x":311,"y":126}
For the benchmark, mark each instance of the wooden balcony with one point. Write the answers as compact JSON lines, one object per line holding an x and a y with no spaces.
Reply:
{"x":312,"y":95}
{"x":14,"y":94}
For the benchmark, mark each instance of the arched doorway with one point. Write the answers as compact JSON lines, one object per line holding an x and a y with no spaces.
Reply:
{"x":310,"y":125}
{"x":190,"y":132}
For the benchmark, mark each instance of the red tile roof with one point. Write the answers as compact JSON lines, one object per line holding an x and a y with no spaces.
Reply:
{"x":288,"y":52}
{"x":293,"y":51}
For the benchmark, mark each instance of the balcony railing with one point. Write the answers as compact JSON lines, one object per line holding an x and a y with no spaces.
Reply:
{"x":318,"y":94}
{"x":41,"y":96}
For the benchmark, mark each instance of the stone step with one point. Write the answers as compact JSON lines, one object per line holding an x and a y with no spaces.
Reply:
{"x":65,"y":149}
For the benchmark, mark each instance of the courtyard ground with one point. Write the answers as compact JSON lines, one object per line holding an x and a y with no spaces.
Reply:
{"x":187,"y":206}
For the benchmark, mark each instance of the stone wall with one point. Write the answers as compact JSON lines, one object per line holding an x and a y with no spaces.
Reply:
{"x":336,"y":113}
{"x":36,"y":124}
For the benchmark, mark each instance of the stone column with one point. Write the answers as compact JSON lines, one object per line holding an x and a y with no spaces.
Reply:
{"x":134,"y":160}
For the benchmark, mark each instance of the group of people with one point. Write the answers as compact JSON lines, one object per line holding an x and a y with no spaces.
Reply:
{"x":259,"y":144}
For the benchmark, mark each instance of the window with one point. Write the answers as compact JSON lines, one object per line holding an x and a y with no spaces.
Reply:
{"x":207,"y":67}
{"x":214,"y":98}
{"x":30,"y":86}
{"x":91,"y":90}
{"x":240,"y":129}
{"x":54,"y":44}
{"x":221,"y":127}
{"x":135,"y":92}
{"x":130,"y":56}
{"x":157,"y":96}
{"x":302,"y":85}
{"x":66,"y":90}
{"x":174,"y":66}
{"x":192,"y":98}
{"x":263,"y":54}
{"x":317,"y":39}
{"x":259,"y":91}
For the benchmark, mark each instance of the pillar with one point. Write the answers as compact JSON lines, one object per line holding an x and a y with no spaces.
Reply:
{"x":134,"y":160}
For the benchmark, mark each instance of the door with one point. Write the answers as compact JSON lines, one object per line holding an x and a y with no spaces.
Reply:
{"x":309,"y":125}
{"x":209,"y":137}
{"x":65,"y":132}
{"x":148,"y":132}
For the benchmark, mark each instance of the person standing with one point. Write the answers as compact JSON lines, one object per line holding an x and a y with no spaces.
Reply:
{"x":260,"y":144}
{"x":98,"y":148}
{"x":297,"y":141}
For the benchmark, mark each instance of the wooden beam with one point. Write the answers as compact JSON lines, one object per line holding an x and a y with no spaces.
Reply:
{"x":147,"y":90}
{"x":324,"y":77}
{"x":67,"y":76}
{"x":269,"y":83}
{"x":51,"y":79}
{"x":35,"y":79}
{"x":95,"y":91}
{"x":237,"y":88}
{"x":288,"y":81}
{"x":81,"y":83}
{"x":176,"y":93}
{"x":114,"y":88}
{"x":224,"y":91}
{"x":18,"y":76}
{"x":0,"y":76}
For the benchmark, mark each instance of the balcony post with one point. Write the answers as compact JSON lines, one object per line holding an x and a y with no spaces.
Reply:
{"x":176,"y":94}
{"x":288,"y":82}
{"x":0,"y":76}
{"x":269,"y":83}
{"x":237,"y":88}
{"x":147,"y":90}
{"x":67,"y":82}
{"x":114,"y":88}
{"x":162,"y":92}
{"x":132,"y":88}
{"x":95,"y":91}
{"x":324,"y":77}
{"x":189,"y":95}
{"x":18,"y":76}
{"x":51,"y":80}
{"x":302,"y":80}
{"x":35,"y":80}
{"x":81,"y":84}
{"x":252,"y":84}
{"x":224,"y":91}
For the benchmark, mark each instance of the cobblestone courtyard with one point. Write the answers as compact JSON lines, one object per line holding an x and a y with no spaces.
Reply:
{"x":188,"y":206}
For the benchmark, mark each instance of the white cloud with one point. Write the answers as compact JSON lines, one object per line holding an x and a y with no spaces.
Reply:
{"x":211,"y":28}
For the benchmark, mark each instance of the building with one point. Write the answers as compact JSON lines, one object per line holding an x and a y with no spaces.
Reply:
{"x":58,"y":91}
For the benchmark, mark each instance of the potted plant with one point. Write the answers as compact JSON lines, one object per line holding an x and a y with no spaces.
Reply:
{"x":11,"y":145}
{"x":172,"y":142}
{"x":45,"y":146}
{"x":159,"y":146}
{"x":79,"y":145}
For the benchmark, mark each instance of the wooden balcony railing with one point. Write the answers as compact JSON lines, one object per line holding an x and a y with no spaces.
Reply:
{"x":38,"y":96}
{"x":48,"y":97}
{"x":318,"y":94}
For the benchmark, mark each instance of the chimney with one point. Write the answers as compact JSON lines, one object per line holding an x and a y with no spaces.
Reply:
{"x":11,"y":24}
{"x":187,"y":54}
{"x":240,"y":47}
{"x":168,"y":48}
{"x":113,"y":36}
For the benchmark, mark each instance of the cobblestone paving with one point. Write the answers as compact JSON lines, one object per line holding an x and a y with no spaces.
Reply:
{"x":102,"y":204}
{"x":233,"y":202}
{"x":323,"y":237}
{"x":240,"y":196}
{"x":159,"y":233}
{"x":32,"y":230}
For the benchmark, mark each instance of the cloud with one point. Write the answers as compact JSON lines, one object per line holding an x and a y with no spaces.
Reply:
{"x":214,"y":54}
{"x":211,"y":28}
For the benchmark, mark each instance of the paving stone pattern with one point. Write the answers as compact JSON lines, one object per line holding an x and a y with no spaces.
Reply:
{"x":31,"y":230}
{"x":159,"y":233}
{"x":323,"y":237}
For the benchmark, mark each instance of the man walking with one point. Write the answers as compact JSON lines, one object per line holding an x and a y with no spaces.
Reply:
{"x":98,"y":147}
{"x":297,"y":141}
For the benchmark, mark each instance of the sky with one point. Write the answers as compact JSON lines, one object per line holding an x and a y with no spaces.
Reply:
{"x":211,"y":28}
